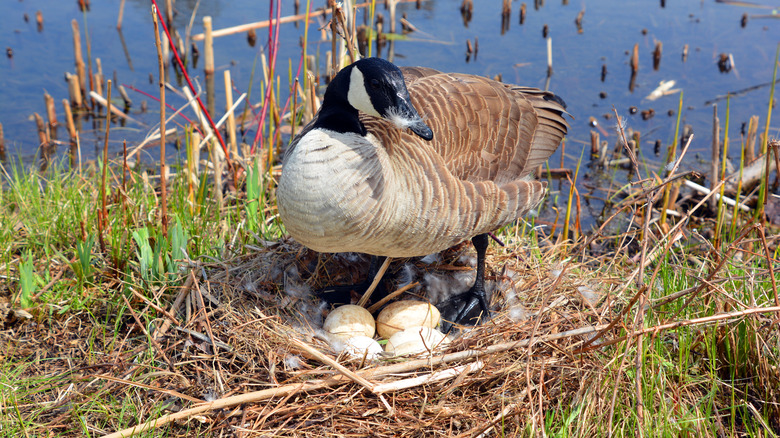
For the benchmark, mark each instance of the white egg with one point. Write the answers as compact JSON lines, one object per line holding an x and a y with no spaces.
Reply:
{"x":349,"y":321}
{"x":401,"y":315}
{"x":359,"y":346}
{"x":414,"y":340}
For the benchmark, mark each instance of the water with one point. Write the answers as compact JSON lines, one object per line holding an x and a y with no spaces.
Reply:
{"x":610,"y":30}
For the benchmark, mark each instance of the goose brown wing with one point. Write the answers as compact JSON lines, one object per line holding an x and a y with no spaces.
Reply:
{"x":485,"y":130}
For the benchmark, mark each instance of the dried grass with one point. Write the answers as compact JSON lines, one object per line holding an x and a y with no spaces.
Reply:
{"x":233,"y":352}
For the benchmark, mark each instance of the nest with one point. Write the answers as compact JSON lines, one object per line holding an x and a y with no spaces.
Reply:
{"x":251,"y":347}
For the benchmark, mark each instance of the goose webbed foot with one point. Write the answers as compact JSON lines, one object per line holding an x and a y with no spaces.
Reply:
{"x":340,"y":295}
{"x":470,"y":307}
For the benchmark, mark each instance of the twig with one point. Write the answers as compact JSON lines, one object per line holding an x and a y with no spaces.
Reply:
{"x":343,"y":370}
{"x":374,"y":307}
{"x":116,"y":111}
{"x":150,"y":387}
{"x":377,"y":278}
{"x":427,"y":379}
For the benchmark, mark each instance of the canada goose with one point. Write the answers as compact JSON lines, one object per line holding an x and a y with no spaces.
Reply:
{"x":409,"y":162}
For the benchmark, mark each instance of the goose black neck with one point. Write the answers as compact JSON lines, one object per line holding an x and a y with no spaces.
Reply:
{"x":336,"y":113}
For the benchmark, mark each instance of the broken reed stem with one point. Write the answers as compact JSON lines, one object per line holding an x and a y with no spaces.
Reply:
{"x":163,"y":193}
{"x":208,"y":46}
{"x":113,"y":109}
{"x":635,"y":59}
{"x":69,"y":120}
{"x":750,"y":141}
{"x":231,"y":121}
{"x":74,"y":91}
{"x":43,"y":135}
{"x":51,"y":112}
{"x":549,"y":57}
{"x":79,"y":59}
{"x":121,"y":14}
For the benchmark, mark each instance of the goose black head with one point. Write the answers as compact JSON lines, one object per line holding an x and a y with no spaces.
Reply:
{"x":376,"y":87}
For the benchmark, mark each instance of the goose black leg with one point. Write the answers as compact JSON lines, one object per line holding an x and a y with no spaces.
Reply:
{"x":459,"y":307}
{"x":339,"y":295}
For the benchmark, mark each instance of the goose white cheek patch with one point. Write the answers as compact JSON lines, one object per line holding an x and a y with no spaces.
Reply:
{"x":357,"y":95}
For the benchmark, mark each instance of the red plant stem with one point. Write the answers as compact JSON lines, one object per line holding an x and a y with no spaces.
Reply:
{"x":273,"y":46}
{"x":192,"y":88}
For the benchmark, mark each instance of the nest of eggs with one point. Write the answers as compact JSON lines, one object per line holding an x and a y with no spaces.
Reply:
{"x":280,"y":365}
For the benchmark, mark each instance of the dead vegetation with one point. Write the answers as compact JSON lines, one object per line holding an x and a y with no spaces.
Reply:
{"x":233,"y":353}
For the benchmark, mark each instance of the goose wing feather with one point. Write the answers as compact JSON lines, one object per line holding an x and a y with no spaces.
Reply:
{"x":474,"y":176}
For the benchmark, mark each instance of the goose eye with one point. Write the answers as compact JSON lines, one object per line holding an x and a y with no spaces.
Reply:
{"x":375,"y":83}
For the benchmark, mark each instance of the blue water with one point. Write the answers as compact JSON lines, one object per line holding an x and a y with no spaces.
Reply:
{"x":610,"y":30}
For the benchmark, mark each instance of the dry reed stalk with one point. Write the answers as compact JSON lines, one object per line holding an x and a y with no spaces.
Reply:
{"x":208,"y":47}
{"x":523,"y":8}
{"x":99,"y":68}
{"x":169,"y":11}
{"x":549,"y":57}
{"x":231,"y":121}
{"x":51,"y":112}
{"x":74,"y":92}
{"x":43,"y":134}
{"x":2,"y":143}
{"x":312,"y":102}
{"x":80,"y":66}
{"x":377,"y":278}
{"x":635,"y":59}
{"x":657,"y":55}
{"x":114,"y":110}
{"x":69,"y":120}
{"x":163,"y":171}
{"x":121,"y":14}
{"x":750,"y":141}
{"x":578,"y":21}
{"x":125,"y":97}
{"x":98,"y":80}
